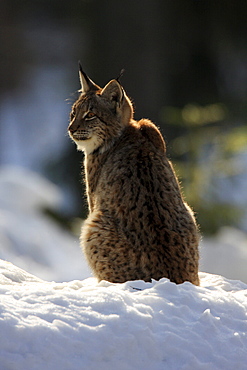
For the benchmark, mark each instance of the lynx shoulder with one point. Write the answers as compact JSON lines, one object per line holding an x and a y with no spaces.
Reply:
{"x":139,"y":226}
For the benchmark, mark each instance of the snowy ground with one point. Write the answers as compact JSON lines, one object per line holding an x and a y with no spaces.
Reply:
{"x":136,"y":325}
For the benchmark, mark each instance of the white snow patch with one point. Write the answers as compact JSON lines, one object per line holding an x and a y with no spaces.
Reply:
{"x":135,"y":325}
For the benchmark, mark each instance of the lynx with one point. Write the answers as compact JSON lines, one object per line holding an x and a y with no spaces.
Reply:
{"x":139,"y":227}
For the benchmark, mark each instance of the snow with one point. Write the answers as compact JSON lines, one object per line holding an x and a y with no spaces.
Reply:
{"x":28,"y":237}
{"x":83,"y":324}
{"x":225,"y":254}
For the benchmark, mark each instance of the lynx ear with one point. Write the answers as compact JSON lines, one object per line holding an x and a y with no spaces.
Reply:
{"x":113,"y":91}
{"x":86,"y":83}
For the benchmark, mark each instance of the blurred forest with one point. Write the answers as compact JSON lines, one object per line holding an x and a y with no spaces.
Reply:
{"x":186,"y":69}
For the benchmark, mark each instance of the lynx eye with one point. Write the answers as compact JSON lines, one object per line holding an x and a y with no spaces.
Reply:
{"x":89,"y":115}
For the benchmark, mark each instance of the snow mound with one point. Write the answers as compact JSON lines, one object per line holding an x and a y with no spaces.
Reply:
{"x":135,"y":325}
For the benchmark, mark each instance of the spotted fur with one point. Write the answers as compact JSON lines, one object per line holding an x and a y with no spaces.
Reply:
{"x":139,"y":226}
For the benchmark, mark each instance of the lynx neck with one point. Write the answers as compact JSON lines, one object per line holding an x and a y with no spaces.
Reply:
{"x":93,"y":164}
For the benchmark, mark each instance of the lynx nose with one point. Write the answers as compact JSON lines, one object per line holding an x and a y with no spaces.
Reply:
{"x":73,"y":128}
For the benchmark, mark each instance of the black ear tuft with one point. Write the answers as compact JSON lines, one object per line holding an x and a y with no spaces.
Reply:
{"x":120,"y":75}
{"x":86,"y":83}
{"x":80,"y":67}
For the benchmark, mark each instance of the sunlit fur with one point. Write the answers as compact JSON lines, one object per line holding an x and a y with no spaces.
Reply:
{"x":139,"y":226}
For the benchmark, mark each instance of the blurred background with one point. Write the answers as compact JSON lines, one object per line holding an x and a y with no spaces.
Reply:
{"x":186,"y":70}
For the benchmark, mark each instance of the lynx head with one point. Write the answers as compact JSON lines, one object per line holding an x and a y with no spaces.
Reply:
{"x":99,"y":115}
